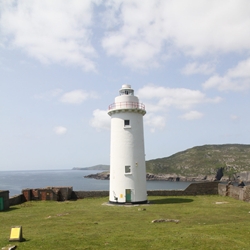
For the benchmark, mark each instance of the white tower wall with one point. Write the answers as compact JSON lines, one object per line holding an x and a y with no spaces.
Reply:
{"x":127,"y":156}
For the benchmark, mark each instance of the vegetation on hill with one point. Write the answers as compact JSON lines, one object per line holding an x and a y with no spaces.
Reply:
{"x":199,"y":161}
{"x":204,"y":160}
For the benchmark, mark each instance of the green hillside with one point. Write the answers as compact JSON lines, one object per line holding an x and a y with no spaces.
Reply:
{"x":199,"y":161}
{"x":204,"y":160}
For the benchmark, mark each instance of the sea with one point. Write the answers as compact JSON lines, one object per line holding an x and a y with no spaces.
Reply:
{"x":15,"y":181}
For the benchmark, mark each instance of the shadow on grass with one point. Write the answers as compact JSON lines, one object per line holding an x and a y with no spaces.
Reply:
{"x":10,"y":209}
{"x":171,"y":201}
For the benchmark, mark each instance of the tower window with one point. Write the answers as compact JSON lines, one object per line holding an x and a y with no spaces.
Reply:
{"x":127,"y":169}
{"x":126,"y":123}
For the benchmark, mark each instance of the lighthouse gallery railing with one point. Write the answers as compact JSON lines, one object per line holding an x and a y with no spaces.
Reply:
{"x":126,"y":105}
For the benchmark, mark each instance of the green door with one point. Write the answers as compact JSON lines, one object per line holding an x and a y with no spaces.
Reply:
{"x":1,"y":203}
{"x":128,"y":195}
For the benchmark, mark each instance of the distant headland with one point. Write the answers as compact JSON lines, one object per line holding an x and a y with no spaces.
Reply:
{"x":228,"y":162}
{"x":96,"y":167}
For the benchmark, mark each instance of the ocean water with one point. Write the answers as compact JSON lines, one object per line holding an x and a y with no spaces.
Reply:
{"x":15,"y":181}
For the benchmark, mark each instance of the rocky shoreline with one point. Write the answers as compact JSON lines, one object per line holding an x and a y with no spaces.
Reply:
{"x":98,"y":176}
{"x":160,"y":177}
{"x":169,"y":177}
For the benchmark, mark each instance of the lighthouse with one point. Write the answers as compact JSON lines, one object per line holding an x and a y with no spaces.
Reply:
{"x":127,"y":153}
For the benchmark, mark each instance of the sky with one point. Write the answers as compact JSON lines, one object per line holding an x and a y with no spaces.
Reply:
{"x":62,"y":63}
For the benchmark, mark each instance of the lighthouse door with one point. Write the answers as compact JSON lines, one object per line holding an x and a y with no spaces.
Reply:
{"x":128,"y":195}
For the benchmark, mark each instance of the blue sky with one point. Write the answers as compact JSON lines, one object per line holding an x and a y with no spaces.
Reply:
{"x":62,"y":63}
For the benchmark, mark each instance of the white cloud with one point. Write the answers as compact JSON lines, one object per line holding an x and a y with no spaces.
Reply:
{"x":192,"y":115}
{"x":50,"y":31}
{"x":155,"y":122}
{"x":60,"y":130}
{"x":196,"y":68}
{"x":159,"y":100}
{"x":179,"y":98}
{"x":109,"y":16}
{"x":242,"y":70}
{"x":135,"y":41}
{"x":100,"y":120}
{"x":142,"y":33}
{"x":77,"y":96}
{"x":235,"y":79}
{"x":216,"y":99}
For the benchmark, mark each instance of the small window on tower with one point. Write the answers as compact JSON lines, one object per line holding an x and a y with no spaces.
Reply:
{"x":127,"y":169}
{"x":126,"y":123}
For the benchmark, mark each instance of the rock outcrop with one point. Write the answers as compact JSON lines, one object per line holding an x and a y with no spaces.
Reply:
{"x":156,"y":177}
{"x":244,"y":176}
{"x":99,"y":176}
{"x":169,"y":177}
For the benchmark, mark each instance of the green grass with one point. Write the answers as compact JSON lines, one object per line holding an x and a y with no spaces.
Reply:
{"x":88,"y":224}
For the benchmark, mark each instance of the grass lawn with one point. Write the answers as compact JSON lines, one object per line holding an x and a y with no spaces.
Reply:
{"x":205,"y":222}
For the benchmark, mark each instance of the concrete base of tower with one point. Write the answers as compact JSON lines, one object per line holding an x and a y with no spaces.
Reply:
{"x":129,"y":203}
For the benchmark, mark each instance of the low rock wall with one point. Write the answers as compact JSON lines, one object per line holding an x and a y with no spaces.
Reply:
{"x":48,"y":193}
{"x":16,"y":200}
{"x":88,"y":194}
{"x":64,"y":193}
{"x":239,"y":193}
{"x":201,"y":188}
{"x":165,"y":192}
{"x":235,"y":192}
{"x":246,"y":195}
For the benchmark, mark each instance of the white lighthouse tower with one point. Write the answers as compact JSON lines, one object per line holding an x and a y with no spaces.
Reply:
{"x":127,"y":156}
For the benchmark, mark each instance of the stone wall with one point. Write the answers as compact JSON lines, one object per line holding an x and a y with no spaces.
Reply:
{"x":234,"y":192}
{"x":246,"y":195}
{"x":239,"y":193}
{"x":88,"y":194}
{"x":4,"y":199}
{"x":67,"y":193}
{"x":48,"y":193}
{"x":26,"y":194}
{"x":222,"y":189}
{"x":200,"y":188}
{"x":165,"y":192}
{"x":16,"y":200}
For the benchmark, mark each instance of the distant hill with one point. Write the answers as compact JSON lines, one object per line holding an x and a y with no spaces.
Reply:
{"x":96,"y":167}
{"x":204,"y":160}
{"x":199,"y":161}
